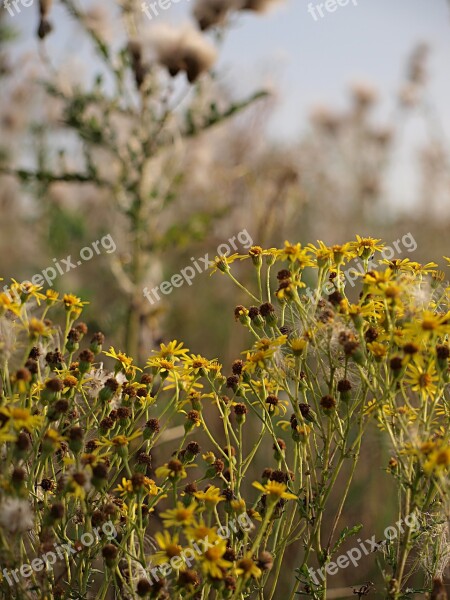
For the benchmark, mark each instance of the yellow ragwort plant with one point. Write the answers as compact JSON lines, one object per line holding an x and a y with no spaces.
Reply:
{"x":104,"y":487}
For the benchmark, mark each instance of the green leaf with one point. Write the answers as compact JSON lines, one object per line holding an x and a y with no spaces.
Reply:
{"x":346,"y":533}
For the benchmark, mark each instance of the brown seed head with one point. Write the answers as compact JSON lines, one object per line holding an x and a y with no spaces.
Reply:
{"x":54,"y":385}
{"x":265,"y":561}
{"x":87,"y":356}
{"x":344,"y":385}
{"x":153,"y":425}
{"x":328,"y":402}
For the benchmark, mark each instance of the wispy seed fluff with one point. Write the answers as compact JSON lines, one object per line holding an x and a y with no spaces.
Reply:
{"x":436,"y":536}
{"x":16,"y":515}
{"x":182,"y":49}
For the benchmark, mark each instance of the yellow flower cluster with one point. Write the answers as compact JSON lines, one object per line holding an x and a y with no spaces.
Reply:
{"x":84,"y":446}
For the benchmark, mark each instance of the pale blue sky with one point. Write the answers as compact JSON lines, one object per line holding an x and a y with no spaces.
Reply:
{"x":314,"y":61}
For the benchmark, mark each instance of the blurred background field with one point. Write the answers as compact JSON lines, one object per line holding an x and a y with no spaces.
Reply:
{"x":305,"y":130}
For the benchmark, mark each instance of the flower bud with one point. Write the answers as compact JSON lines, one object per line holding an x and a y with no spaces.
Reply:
{"x":76,"y":439}
{"x":255,"y":316}
{"x":240,"y":410}
{"x":344,"y":388}
{"x":328,"y":404}
{"x":192,"y":450}
{"x":86,"y":360}
{"x":279,"y":453}
{"x":267,"y":311}
{"x":97,"y":342}
{"x":73,"y":338}
{"x":307,"y":413}
{"x":111,"y":387}
{"x":110,"y":553}
{"x":242,"y":314}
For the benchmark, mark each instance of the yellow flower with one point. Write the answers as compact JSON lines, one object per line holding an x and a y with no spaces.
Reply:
{"x":5,"y":436}
{"x":27,"y":290}
{"x":239,"y":506}
{"x":301,"y":432}
{"x":215,"y":368}
{"x":376,"y":278}
{"x":119,"y":441}
{"x":21,"y":418}
{"x":264,"y":349}
{"x":298,"y":345}
{"x":422,"y":380}
{"x":370,"y":407}
{"x":256,"y":253}
{"x":209,"y":457}
{"x":296,"y":254}
{"x":125,"y":362}
{"x":342,"y":253}
{"x":428,"y":324}
{"x":257,"y":360}
{"x":221,"y":263}
{"x":172,"y":350}
{"x":246,"y":567}
{"x":383,"y":284}
{"x":322,"y":253}
{"x":76,"y":486}
{"x":272,"y":344}
{"x":72,"y":302}
{"x":124,"y":488}
{"x":146,"y":401}
{"x":287,"y":289}
{"x":183,"y":381}
{"x":74,"y":305}
{"x":274,"y":490}
{"x":397,"y":264}
{"x":162,"y":364}
{"x":199,"y":531}
{"x":181,"y":515}
{"x":365,"y":247}
{"x":212,"y":561}
{"x":51,"y":296}
{"x":355,"y":311}
{"x":420,"y":269}
{"x":6,"y":303}
{"x":69,"y":382}
{"x":127,"y":488}
{"x":174,"y":469}
{"x":378,"y":350}
{"x":52,"y":439}
{"x":169,"y":547}
{"x":265,"y":386}
{"x":398,"y":337}
{"x":37,"y":328}
{"x":197,"y":365}
{"x":427,"y":447}
{"x":438,"y":460}
{"x":274,"y":405}
{"x":211,"y":497}
{"x":150,"y":487}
